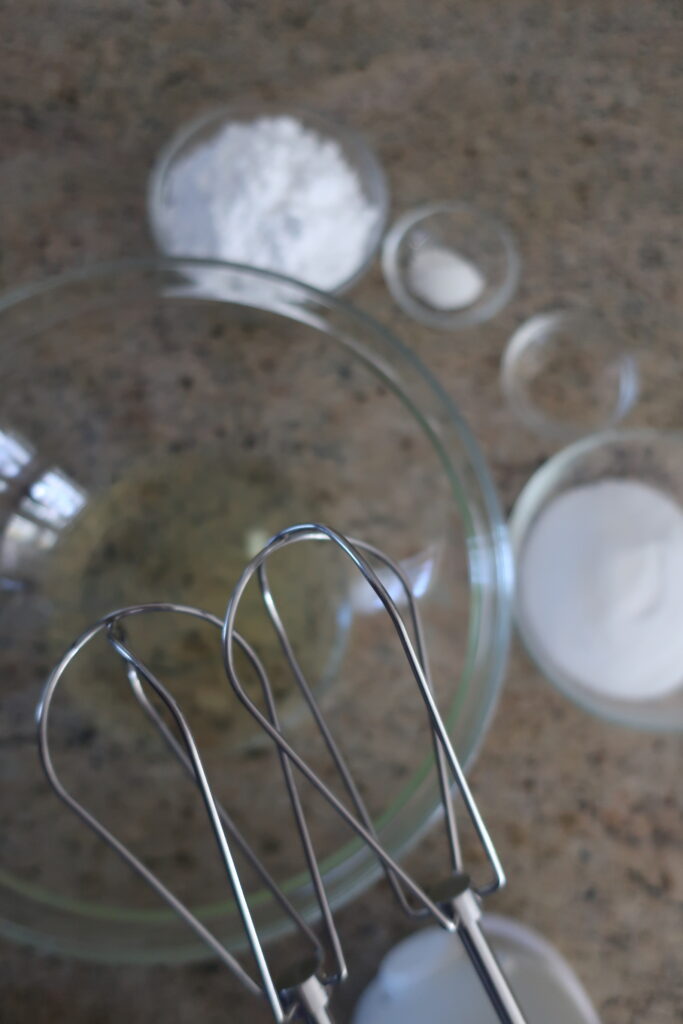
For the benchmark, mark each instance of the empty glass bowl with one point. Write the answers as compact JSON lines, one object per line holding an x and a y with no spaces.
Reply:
{"x":647,"y":457}
{"x":567,"y":373}
{"x":181,"y":209}
{"x":159,"y":421}
{"x":449,"y":265}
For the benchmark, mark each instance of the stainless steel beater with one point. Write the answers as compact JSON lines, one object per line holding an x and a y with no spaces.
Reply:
{"x":453,"y":902}
{"x":304,"y":994}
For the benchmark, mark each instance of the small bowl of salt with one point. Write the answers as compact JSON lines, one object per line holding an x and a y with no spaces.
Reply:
{"x":597,"y":535}
{"x":449,"y":265}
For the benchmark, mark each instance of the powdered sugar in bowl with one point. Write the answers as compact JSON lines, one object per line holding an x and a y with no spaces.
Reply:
{"x":286,"y":191}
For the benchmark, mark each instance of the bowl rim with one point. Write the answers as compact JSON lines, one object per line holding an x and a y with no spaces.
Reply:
{"x":478,"y":312}
{"x":494,"y":527}
{"x":529,"y":502}
{"x":237,"y":110}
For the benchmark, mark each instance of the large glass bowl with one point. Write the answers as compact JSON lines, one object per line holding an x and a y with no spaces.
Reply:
{"x":160,"y":419}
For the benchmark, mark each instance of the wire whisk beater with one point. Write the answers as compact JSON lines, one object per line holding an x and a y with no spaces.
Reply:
{"x":453,"y":901}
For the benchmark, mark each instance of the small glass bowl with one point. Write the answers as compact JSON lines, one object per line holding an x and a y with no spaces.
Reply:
{"x":358,"y":154}
{"x":648,"y":456}
{"x":470,"y":234}
{"x":566,"y":373}
{"x":427,"y":974}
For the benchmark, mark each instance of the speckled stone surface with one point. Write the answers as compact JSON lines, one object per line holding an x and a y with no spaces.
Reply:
{"x":566,"y":120}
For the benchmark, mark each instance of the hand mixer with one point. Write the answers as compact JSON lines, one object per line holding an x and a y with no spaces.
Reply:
{"x":454,"y":902}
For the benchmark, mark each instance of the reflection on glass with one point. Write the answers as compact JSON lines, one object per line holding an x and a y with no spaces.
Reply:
{"x":45,"y":506}
{"x":419,"y":570}
{"x":14,"y":455}
{"x":54,"y":499}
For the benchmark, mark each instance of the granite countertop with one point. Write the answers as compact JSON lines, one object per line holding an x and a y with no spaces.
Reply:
{"x":567,"y":121}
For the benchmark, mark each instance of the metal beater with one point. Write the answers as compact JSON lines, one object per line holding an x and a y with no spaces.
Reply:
{"x":454,"y":902}
{"x":304,"y":995}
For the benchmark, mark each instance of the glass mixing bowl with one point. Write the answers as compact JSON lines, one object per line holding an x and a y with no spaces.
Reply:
{"x":160,"y":419}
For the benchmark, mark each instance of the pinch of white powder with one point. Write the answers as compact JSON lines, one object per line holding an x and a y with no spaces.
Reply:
{"x":443,"y":279}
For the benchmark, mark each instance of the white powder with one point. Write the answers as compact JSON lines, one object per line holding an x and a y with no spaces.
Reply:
{"x":601,"y":588}
{"x":273,"y":194}
{"x":443,"y":279}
